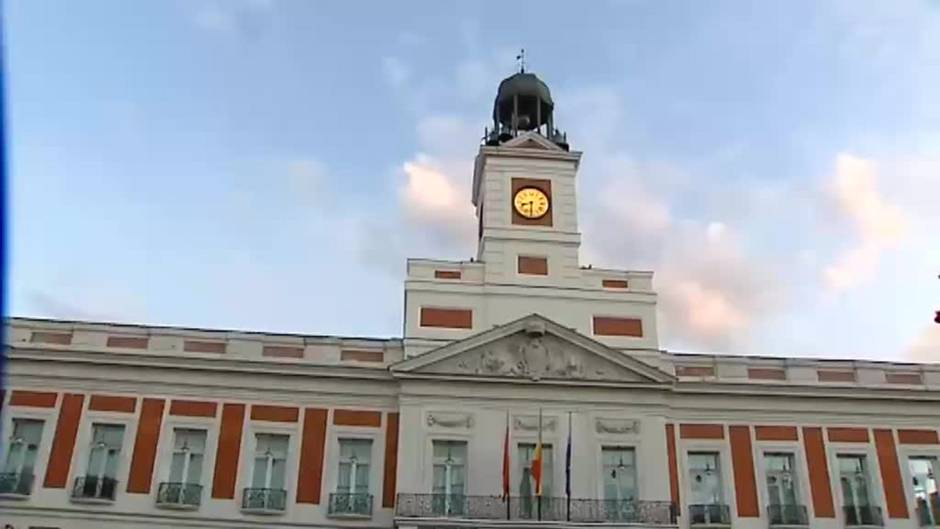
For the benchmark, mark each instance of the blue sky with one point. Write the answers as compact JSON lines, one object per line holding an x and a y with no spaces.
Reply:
{"x":266,"y":164}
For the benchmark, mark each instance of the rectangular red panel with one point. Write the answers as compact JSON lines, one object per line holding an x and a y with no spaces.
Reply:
{"x":918,"y":437}
{"x":742,"y":461}
{"x":615,"y":283}
{"x":112,"y":403}
{"x":361,"y":356}
{"x":776,"y":433}
{"x":58,"y":338}
{"x":701,"y":431}
{"x":128,"y":342}
{"x":890,"y":474}
{"x":274,"y":413}
{"x":283,"y":351}
{"x":201,"y":346}
{"x":193,"y":408}
{"x":145,"y":446}
{"x":835,"y":375}
{"x":63,"y":443}
{"x":695,"y":371}
{"x":391,"y":461}
{"x":823,"y":506}
{"x":848,"y":435}
{"x":357,"y":418}
{"x":33,"y":399}
{"x":446,"y":318}
{"x":673,"y":465}
{"x":312,"y":447}
{"x":447,"y":274}
{"x":766,"y":373}
{"x":904,"y":378}
{"x":533,"y":265}
{"x":613,"y":326}
{"x":226,"y":456}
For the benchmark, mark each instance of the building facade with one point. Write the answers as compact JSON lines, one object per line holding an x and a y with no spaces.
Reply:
{"x":118,"y":426}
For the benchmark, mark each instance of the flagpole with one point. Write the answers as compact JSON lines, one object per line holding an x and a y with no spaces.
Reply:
{"x":568,"y":470}
{"x":506,"y":470}
{"x":538,"y":491}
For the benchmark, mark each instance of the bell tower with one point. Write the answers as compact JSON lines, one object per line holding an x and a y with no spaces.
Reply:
{"x":524,"y":189}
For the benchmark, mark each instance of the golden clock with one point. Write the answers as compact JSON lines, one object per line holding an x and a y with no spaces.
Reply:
{"x":531,"y":202}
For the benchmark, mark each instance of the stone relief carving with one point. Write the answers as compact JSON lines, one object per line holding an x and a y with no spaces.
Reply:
{"x":450,"y":420}
{"x":535,"y":355}
{"x":617,"y":426}
{"x":530,"y":423}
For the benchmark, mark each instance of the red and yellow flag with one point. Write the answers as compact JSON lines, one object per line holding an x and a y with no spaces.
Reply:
{"x":537,"y":468}
{"x":506,"y":460}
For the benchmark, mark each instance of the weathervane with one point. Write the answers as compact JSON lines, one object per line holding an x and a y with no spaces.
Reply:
{"x":521,"y":59}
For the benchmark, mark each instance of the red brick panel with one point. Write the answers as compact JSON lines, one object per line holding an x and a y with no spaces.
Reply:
{"x":695,"y":371}
{"x":274,"y":413}
{"x":128,"y":342}
{"x":614,"y":326}
{"x":848,"y":435}
{"x":918,"y":437}
{"x":823,"y":506}
{"x":226,"y":456}
{"x":362,"y":356}
{"x":201,"y":346}
{"x":701,"y":431}
{"x":447,"y":274}
{"x":890,"y":474}
{"x":533,"y":265}
{"x":33,"y":399}
{"x":834,"y":375}
{"x":766,"y":373}
{"x":446,"y":318}
{"x":58,"y":338}
{"x":357,"y":418}
{"x":312,"y":447}
{"x":113,"y":403}
{"x":145,"y":446}
{"x":391,"y":461}
{"x":904,"y":378}
{"x":63,"y":443}
{"x":742,"y":462}
{"x":282,"y":351}
{"x":775,"y":433}
{"x":615,"y":283}
{"x":673,"y":464}
{"x":193,"y":408}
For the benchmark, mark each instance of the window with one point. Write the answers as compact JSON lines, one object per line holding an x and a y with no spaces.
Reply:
{"x":104,"y":456}
{"x":352,"y":485}
{"x":184,"y":485}
{"x":17,"y":477}
{"x":270,"y":461}
{"x":926,"y":483}
{"x":783,"y":498}
{"x":449,"y":467}
{"x":706,"y":506}
{"x":619,"y":473}
{"x":268,"y":477}
{"x":856,"y":498}
{"x":527,"y":495}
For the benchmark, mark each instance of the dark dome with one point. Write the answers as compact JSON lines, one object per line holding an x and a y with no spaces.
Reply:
{"x":523,"y":84}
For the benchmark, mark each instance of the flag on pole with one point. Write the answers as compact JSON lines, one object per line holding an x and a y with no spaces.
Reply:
{"x":506,"y":460}
{"x":568,"y":461}
{"x":537,"y":460}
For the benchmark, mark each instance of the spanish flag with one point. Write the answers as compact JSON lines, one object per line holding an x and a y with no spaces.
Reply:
{"x":506,"y":460}
{"x":537,"y":461}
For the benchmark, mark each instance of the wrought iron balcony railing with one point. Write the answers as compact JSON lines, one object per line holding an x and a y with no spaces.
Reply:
{"x":267,"y":500}
{"x":709,"y":514}
{"x":350,"y":504}
{"x":179,"y":495}
{"x":860,"y":515}
{"x":19,"y":483}
{"x":929,"y":515}
{"x":94,"y":488}
{"x":787,"y":515}
{"x":534,"y":508}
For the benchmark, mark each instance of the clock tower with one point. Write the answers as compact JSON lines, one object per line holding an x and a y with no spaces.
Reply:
{"x":527,"y":259}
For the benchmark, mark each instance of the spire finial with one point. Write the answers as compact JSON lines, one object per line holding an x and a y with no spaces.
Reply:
{"x":521,"y":59}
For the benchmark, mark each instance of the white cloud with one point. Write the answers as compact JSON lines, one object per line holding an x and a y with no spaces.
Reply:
{"x":926,"y":347}
{"x":879,"y":224}
{"x":244,"y":17}
{"x":396,"y":72}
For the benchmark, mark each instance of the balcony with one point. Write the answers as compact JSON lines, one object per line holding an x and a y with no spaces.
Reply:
{"x":16,"y":484}
{"x":94,"y":489}
{"x":458,"y":506}
{"x":264,"y":501}
{"x":183,"y":496}
{"x":709,"y":514}
{"x":787,"y":515}
{"x":351,"y":505}
{"x":862,"y":516}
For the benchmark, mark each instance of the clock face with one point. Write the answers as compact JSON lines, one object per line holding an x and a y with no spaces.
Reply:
{"x":531,"y":203}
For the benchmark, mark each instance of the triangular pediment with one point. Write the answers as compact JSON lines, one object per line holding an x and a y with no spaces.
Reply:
{"x":535,"y":349}
{"x":532,"y":140}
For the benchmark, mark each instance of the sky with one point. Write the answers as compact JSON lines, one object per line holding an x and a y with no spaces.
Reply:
{"x":270,"y":165}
